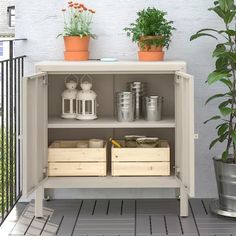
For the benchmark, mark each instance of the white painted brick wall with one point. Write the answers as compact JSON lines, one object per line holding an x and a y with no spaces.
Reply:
{"x":41,"y":21}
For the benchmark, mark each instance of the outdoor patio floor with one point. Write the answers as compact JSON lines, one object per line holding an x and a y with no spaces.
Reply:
{"x":121,"y":218}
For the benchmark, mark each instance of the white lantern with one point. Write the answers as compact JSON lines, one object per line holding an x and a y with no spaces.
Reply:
{"x":86,"y":101}
{"x":69,"y":98}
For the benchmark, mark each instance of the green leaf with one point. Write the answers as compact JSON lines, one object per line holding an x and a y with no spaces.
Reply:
{"x":213,"y":143}
{"x":227,"y":82}
{"x":234,"y":137}
{"x":212,"y":118}
{"x":215,"y":76}
{"x":231,"y":55}
{"x":223,"y":128}
{"x":229,"y":17}
{"x":225,"y":111}
{"x":226,"y":5}
{"x":225,"y":103}
{"x":221,"y":63}
{"x":225,"y":155}
{"x":218,"y":11}
{"x":230,"y":32}
{"x":219,"y":95}
{"x":219,"y":50}
{"x":223,"y":137}
{"x":195,"y":36}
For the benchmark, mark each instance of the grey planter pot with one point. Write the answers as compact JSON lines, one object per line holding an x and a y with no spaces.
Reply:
{"x":226,"y":183}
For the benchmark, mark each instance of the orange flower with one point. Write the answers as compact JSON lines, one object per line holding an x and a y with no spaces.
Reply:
{"x":81,"y":5}
{"x":70,"y":2}
{"x":63,"y":9}
{"x":76,"y":3}
{"x":85,"y":8}
{"x":71,"y":5}
{"x":81,"y":10}
{"x":93,"y":11}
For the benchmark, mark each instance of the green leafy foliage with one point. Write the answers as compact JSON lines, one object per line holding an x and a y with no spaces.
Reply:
{"x":224,"y":73}
{"x":151,"y":22}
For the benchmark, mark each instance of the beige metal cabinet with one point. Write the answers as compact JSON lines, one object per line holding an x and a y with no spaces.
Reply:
{"x":42,"y":123}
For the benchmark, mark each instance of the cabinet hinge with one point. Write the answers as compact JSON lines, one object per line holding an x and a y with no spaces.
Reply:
{"x":45,"y":80}
{"x":177,"y":80}
{"x":177,"y":171}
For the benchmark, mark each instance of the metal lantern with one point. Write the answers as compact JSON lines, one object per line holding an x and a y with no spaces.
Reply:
{"x":86,"y":100}
{"x":69,"y":98}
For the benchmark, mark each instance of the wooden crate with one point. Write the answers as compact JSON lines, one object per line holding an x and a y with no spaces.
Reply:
{"x":141,"y":161}
{"x":65,"y":159}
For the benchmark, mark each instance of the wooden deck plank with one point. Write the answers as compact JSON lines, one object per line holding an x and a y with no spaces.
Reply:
{"x":69,"y":219}
{"x":115,"y":208}
{"x":158,"y":225}
{"x":173,"y":225}
{"x":143,"y":225}
{"x":117,"y":218}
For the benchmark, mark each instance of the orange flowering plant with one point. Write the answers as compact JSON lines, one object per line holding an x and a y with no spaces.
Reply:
{"x":77,"y":20}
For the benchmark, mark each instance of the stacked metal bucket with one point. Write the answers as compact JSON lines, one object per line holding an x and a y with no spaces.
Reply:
{"x":135,"y":104}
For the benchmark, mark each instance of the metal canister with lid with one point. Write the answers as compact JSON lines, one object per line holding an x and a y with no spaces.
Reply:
{"x":154,"y":105}
{"x":125,"y":106}
{"x":139,"y":89}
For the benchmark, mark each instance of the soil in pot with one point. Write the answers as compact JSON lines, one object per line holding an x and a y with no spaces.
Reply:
{"x":76,"y":48}
{"x":150,"y":52}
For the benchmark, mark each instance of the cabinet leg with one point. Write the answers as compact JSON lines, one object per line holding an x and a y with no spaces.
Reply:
{"x":183,"y":202}
{"x":39,"y":202}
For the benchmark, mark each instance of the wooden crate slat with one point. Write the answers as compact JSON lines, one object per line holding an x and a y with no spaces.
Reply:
{"x":142,"y":154}
{"x":77,"y":169}
{"x":141,"y":168}
{"x":61,"y":151}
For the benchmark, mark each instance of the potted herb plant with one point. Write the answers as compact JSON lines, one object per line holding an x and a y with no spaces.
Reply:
{"x":77,"y":31}
{"x":224,"y":74}
{"x":152,"y":31}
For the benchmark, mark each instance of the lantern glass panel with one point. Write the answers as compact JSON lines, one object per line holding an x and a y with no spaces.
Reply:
{"x":66,"y":105}
{"x":80,"y":107}
{"x":88,"y":107}
{"x":74,"y":105}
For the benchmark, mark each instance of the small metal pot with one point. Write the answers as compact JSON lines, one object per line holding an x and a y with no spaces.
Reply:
{"x":153,"y":106}
{"x":125,"y":106}
{"x":140,"y":90}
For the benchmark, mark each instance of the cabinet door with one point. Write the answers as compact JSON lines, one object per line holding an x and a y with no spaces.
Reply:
{"x":34,"y":131}
{"x":184,"y":115}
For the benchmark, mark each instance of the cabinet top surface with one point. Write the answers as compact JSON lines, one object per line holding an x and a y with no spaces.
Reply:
{"x":119,"y":66}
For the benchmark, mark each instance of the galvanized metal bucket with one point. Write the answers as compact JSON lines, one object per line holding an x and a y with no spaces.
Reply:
{"x":154,"y":106}
{"x":125,"y":106}
{"x":226,"y":183}
{"x":140,"y":91}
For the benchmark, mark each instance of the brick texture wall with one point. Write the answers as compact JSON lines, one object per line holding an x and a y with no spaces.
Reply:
{"x":4,"y":28}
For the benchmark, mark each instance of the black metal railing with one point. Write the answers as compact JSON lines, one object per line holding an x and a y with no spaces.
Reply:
{"x":11,"y":73}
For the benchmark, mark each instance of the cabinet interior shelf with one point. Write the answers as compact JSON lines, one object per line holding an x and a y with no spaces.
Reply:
{"x":54,"y":123}
{"x":112,"y":182}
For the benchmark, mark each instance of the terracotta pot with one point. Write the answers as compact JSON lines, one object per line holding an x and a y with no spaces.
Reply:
{"x":149,"y":48}
{"x":150,"y":52}
{"x":76,"y":43}
{"x":76,"y":48}
{"x":76,"y":56}
{"x":151,"y":56}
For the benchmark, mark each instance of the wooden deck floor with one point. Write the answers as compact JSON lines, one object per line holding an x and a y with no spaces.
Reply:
{"x":122,"y":218}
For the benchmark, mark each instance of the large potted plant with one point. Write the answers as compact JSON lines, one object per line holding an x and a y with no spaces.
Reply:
{"x":152,"y":31}
{"x":77,"y":31}
{"x":224,"y":74}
